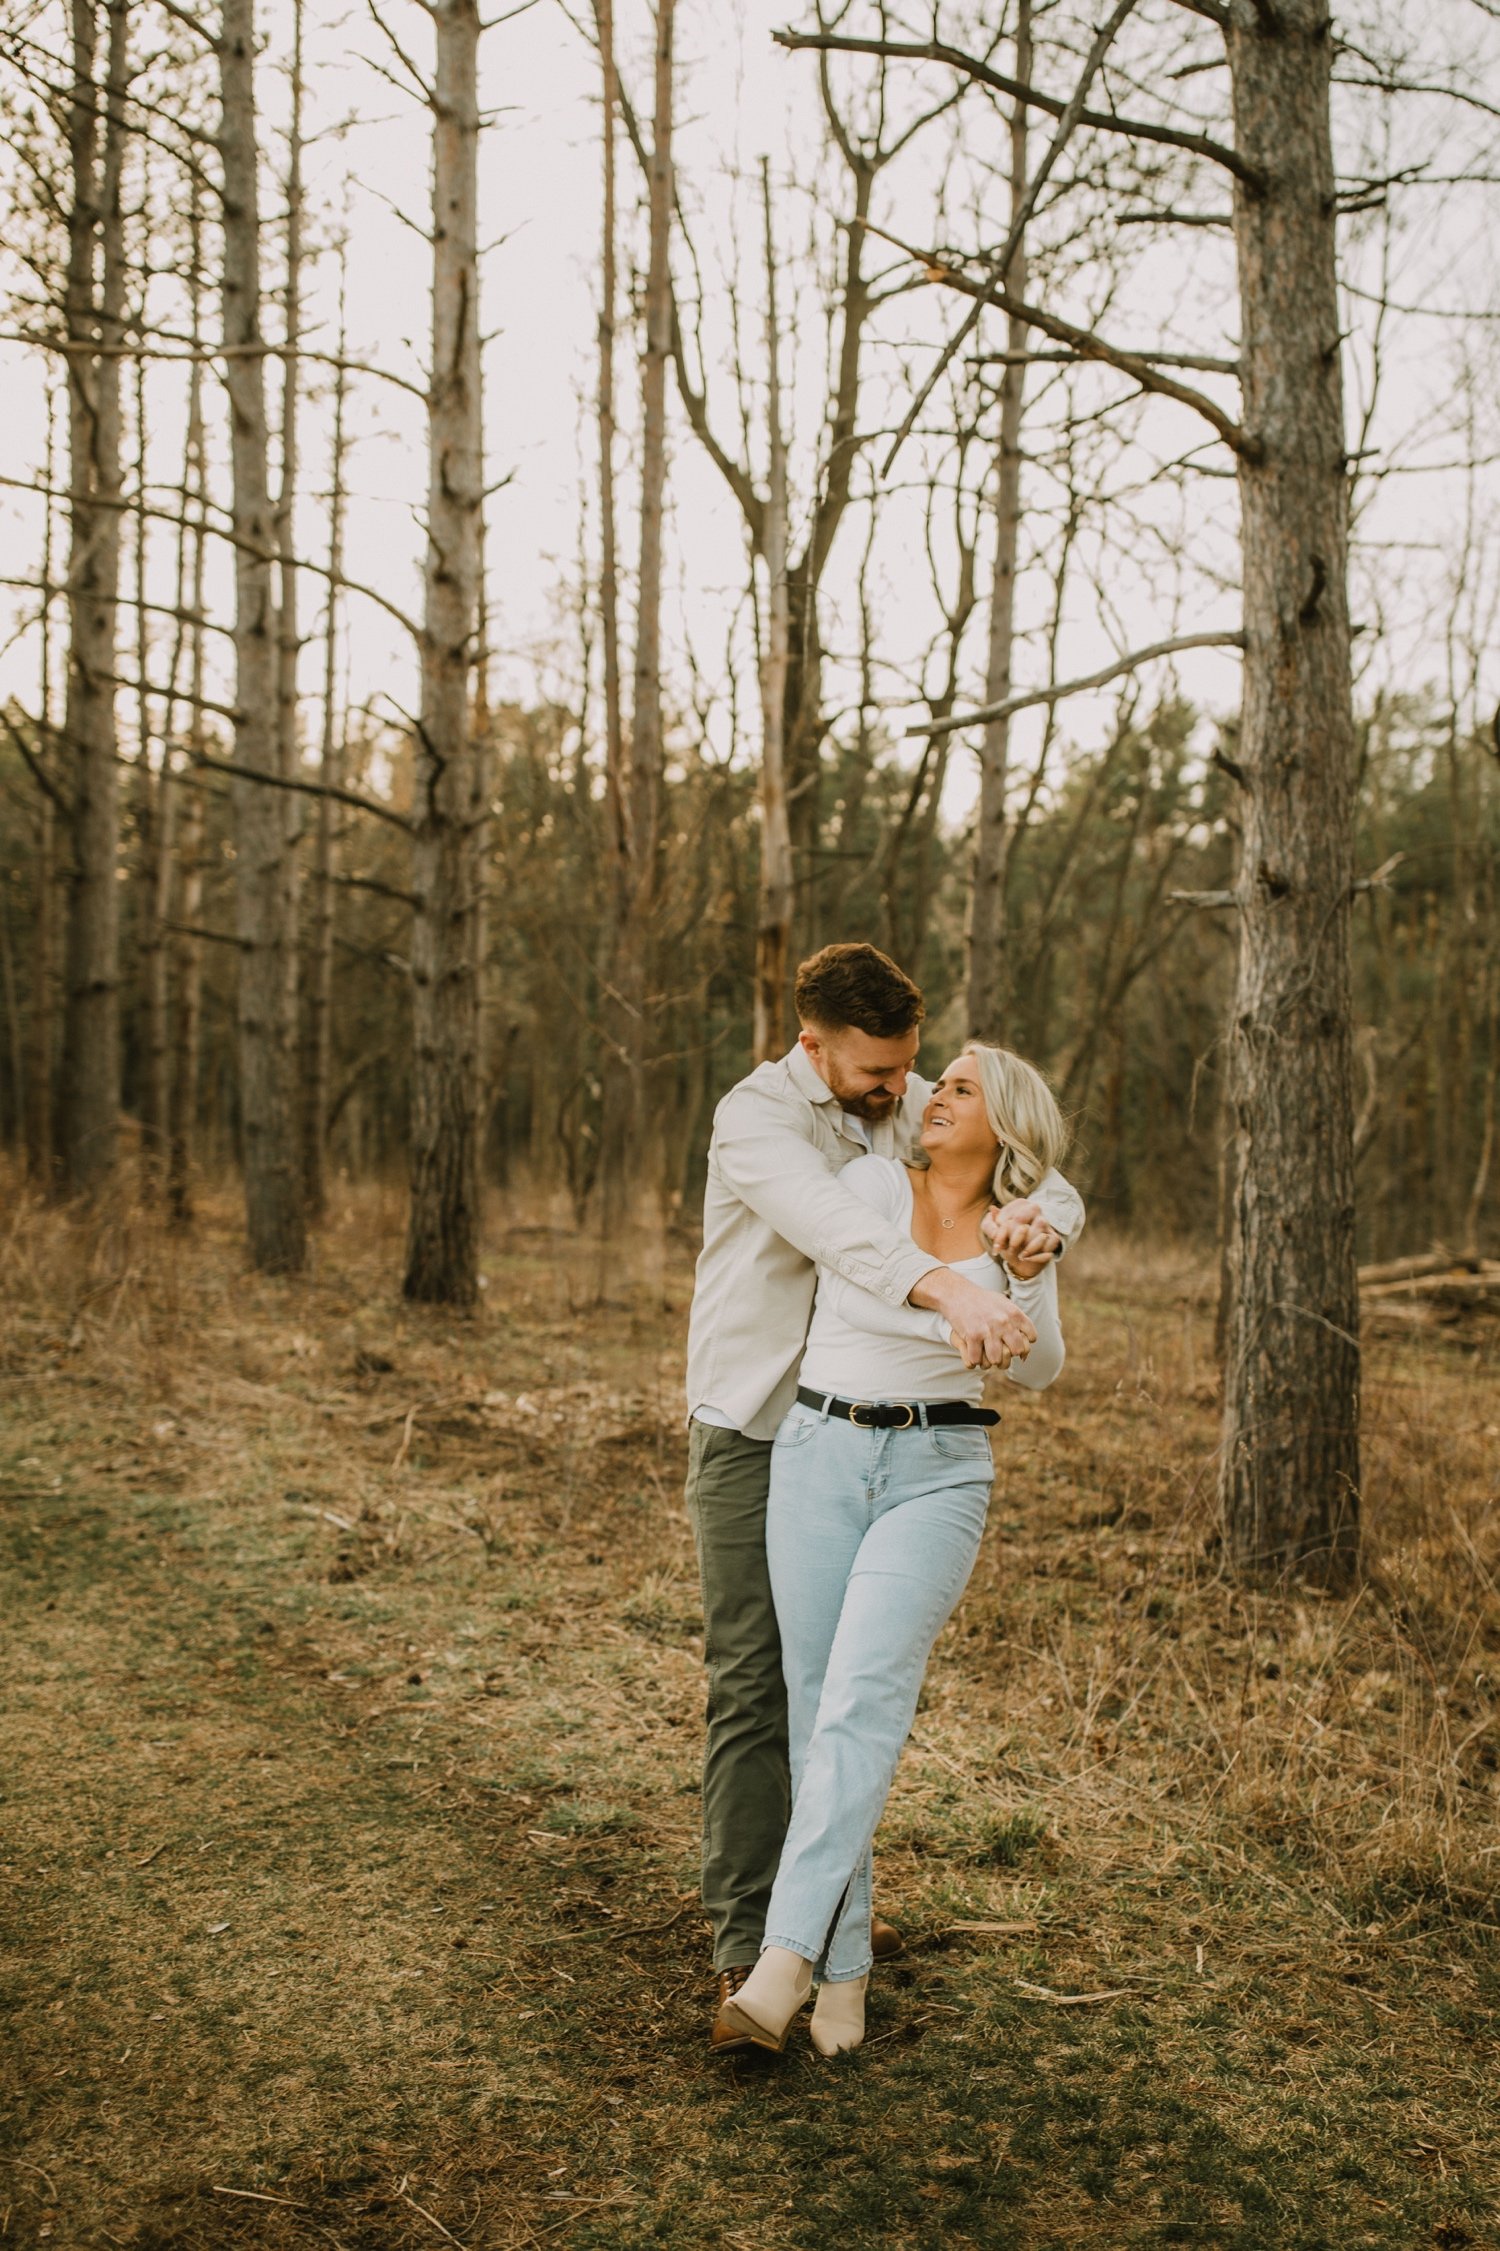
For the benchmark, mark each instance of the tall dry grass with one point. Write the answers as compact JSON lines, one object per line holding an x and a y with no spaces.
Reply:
{"x":1105,"y":1677}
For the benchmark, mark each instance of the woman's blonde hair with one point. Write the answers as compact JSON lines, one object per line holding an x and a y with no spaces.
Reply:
{"x":1024,"y":1118}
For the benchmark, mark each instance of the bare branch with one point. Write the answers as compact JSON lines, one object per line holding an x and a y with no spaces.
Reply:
{"x":306,"y":789}
{"x":937,"y":51}
{"x":1210,"y":10}
{"x":1030,"y":696}
{"x":1026,"y":204}
{"x":1087,"y":345}
{"x":1201,"y":361}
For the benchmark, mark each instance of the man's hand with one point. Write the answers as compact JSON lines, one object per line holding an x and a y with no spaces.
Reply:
{"x":1018,"y":1234}
{"x":988,"y":1331}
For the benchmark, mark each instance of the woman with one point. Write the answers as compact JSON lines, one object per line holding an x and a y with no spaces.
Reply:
{"x":880,"y":1481}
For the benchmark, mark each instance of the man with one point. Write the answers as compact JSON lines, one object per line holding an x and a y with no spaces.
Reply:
{"x":773,"y":1209}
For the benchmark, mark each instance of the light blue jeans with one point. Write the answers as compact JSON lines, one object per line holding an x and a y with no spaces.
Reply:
{"x":871,"y":1536}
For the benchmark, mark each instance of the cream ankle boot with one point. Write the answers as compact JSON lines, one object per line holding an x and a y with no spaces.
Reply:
{"x":838,"y":2018}
{"x":769,"y":1999}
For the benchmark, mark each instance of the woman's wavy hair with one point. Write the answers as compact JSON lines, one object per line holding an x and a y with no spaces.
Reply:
{"x":1024,"y":1118}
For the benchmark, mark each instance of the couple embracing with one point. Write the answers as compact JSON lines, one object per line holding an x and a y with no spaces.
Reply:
{"x":871,"y":1244}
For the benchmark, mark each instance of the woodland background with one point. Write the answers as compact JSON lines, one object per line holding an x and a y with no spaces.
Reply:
{"x":483,"y":513}
{"x":784,"y":312}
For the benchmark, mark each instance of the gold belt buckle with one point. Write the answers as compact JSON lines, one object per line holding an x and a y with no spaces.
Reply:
{"x":910,"y":1413}
{"x":858,"y":1407}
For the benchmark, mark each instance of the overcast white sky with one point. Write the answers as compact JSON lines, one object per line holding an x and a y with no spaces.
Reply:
{"x":1162,"y":564}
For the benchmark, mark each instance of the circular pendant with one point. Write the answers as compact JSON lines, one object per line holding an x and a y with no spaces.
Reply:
{"x":947,"y":1223}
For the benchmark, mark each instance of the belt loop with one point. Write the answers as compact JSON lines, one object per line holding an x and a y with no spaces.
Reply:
{"x":824,"y":1409}
{"x":922,"y":1412}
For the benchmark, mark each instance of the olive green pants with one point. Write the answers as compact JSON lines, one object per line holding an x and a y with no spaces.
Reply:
{"x":747,"y":1789}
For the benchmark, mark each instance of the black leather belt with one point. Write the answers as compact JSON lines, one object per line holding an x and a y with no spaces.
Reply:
{"x":894,"y":1414}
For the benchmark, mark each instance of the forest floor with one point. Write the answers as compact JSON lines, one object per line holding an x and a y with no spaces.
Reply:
{"x":353,"y":1697}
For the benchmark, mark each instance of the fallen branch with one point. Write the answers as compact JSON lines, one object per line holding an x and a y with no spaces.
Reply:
{"x":1439,"y":1260}
{"x":607,"y":1930}
{"x":1074,"y":2000}
{"x":430,"y":2217}
{"x":258,"y":2196}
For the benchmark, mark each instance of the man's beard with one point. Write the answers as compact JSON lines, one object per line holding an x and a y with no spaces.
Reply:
{"x":873,"y":1107}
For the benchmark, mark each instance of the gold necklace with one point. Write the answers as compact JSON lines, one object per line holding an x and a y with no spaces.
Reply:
{"x":972,"y":1205}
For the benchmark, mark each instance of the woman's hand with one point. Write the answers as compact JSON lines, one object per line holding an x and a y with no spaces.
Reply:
{"x":1017,"y":1234}
{"x":1001,"y":1333}
{"x":1002,"y":1357}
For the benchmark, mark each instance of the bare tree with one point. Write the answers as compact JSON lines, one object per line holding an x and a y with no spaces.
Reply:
{"x":187,"y":841}
{"x":156,"y":821}
{"x":442,"y":1246}
{"x":1289,"y":1475}
{"x":1289,"y":1479}
{"x":41,"y":1022}
{"x":284,"y":518}
{"x":774,"y":916}
{"x":609,"y":610}
{"x":93,"y":307}
{"x":630,"y":1031}
{"x":264,"y":920}
{"x":985,"y":933}
{"x":319,"y":1013}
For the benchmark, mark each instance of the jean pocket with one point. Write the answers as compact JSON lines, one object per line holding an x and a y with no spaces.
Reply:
{"x":962,"y":1442}
{"x":796,"y":1427}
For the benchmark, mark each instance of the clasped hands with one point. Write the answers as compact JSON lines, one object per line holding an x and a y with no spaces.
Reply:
{"x":995,"y":1331}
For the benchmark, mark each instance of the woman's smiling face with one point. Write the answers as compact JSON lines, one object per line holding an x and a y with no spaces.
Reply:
{"x":955,"y":1118}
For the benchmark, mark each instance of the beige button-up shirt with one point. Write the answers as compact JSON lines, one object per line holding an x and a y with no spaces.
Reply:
{"x":774,"y":1212}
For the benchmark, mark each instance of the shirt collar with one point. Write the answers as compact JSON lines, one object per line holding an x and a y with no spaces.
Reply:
{"x":805,"y":1079}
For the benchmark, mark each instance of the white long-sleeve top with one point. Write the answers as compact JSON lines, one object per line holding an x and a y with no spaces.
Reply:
{"x":775,"y":1205}
{"x":861,"y":1346}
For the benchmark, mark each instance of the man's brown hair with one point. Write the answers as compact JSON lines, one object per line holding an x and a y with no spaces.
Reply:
{"x":858,"y":987}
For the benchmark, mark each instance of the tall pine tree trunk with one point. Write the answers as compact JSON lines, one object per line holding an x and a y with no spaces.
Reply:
{"x":186,"y":959}
{"x":442,"y":1249}
{"x":288,"y":642}
{"x":774,"y":906}
{"x":40,"y":1023}
{"x":316,"y":1072}
{"x":263,"y":896}
{"x":94,"y":317}
{"x":987,"y":977}
{"x":630,"y":1028}
{"x":609,"y":606}
{"x":154,"y":840}
{"x":1289,"y":1479}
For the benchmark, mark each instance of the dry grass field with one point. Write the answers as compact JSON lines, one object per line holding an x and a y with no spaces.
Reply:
{"x":352,"y":1696}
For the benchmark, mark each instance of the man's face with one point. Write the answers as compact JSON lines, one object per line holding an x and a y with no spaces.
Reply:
{"x":868,"y":1075}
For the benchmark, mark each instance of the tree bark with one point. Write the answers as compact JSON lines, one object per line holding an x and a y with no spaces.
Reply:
{"x":774,"y":913}
{"x":40,"y":1028}
{"x":609,"y":609}
{"x":629,"y":1027}
{"x":1289,"y":1477}
{"x":288,"y":641}
{"x":805,"y":725}
{"x":155,"y":822}
{"x":41,"y":1018}
{"x":186,"y":963}
{"x":91,"y":1019}
{"x":264,"y":920}
{"x":14,"y":1124}
{"x":987,"y":978}
{"x":318,"y":1056}
{"x":442,"y":1248}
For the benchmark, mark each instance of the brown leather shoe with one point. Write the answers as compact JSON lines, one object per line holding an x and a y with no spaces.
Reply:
{"x":886,"y":1941}
{"x":727,"y":2039}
